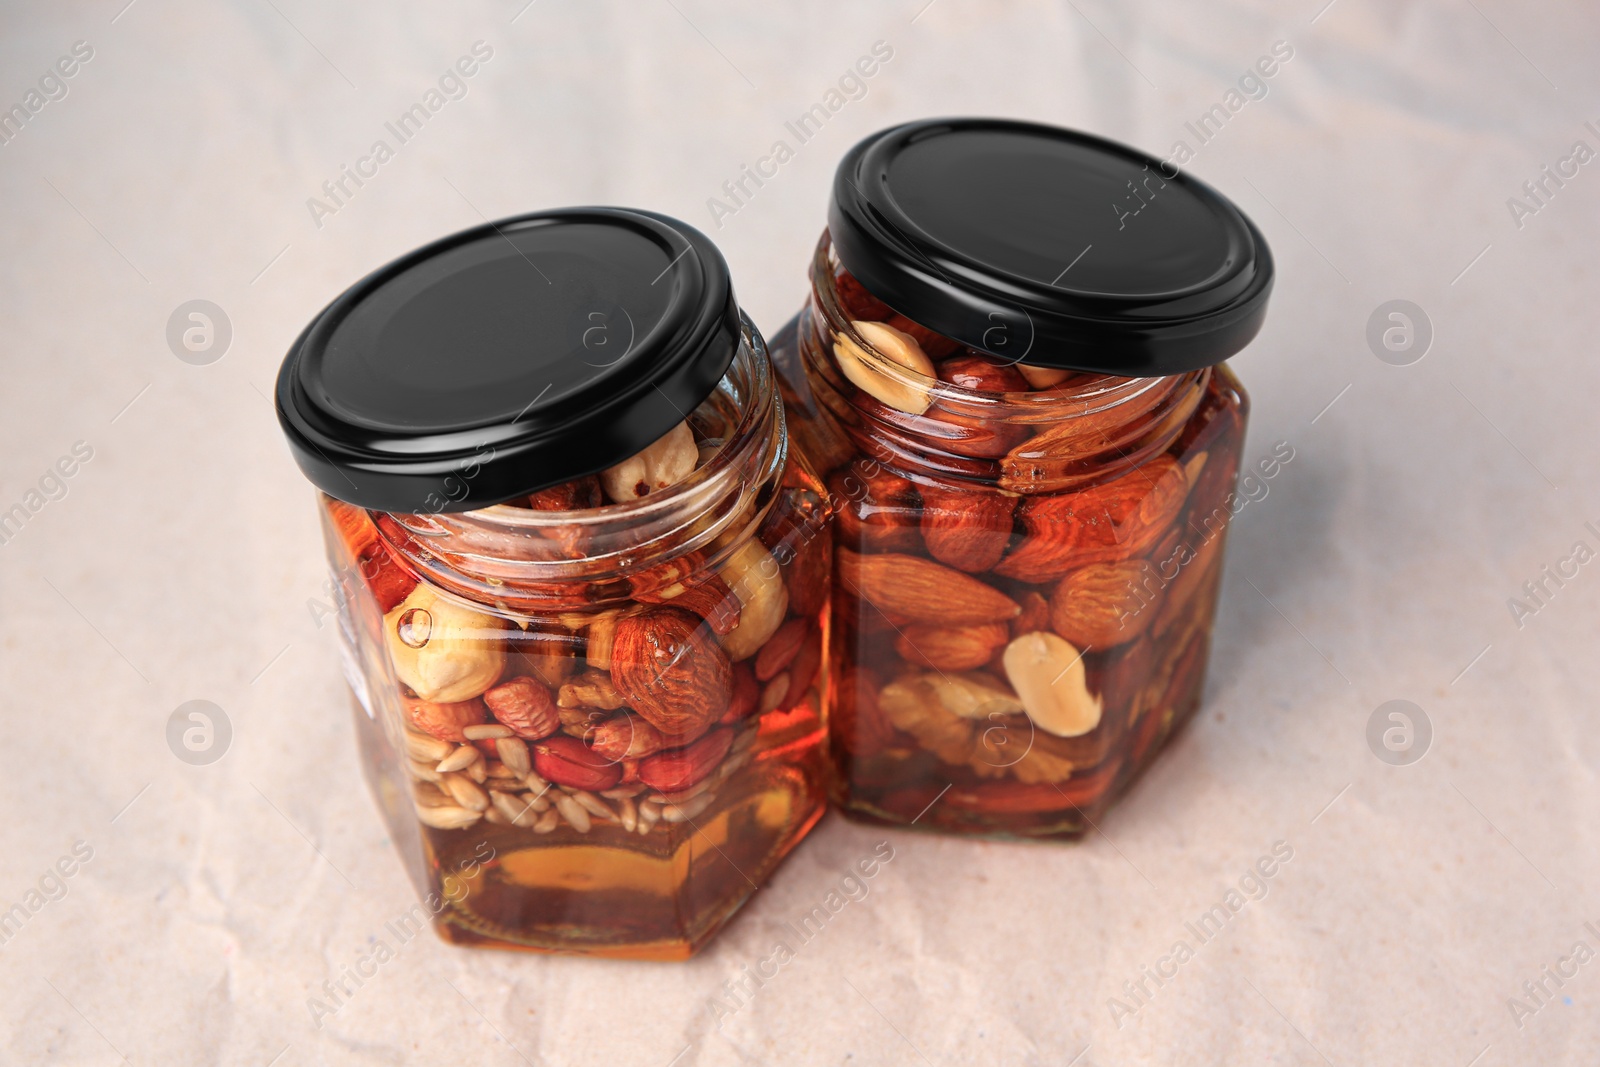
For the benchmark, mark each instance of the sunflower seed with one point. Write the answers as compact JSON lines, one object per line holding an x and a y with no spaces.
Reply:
{"x":537,"y":801}
{"x":425,"y":748}
{"x":447,"y":818}
{"x":517,"y":811}
{"x":622,"y":791}
{"x":547,"y":822}
{"x":422,"y":772}
{"x":690,"y":793}
{"x":462,"y":757}
{"x":573,"y":812}
{"x":534,"y":782}
{"x":629,"y":815}
{"x":466,"y":791}
{"x":514,"y":754}
{"x":685,"y":812}
{"x":478,"y":772}
{"x":427,"y":795}
{"x":500,"y":772}
{"x":485,"y":731}
{"x":594,"y":805}
{"x":496,"y":816}
{"x":648,"y":817}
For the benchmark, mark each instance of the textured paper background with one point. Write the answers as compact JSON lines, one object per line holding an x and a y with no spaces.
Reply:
{"x":182,"y":560}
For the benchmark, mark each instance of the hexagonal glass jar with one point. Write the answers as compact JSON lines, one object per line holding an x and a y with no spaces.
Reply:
{"x":1018,"y":403}
{"x":485,"y":649}
{"x":1093,"y":513}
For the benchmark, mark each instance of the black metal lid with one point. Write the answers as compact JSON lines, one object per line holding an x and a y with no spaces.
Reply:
{"x":507,"y":358}
{"x":1050,"y":246}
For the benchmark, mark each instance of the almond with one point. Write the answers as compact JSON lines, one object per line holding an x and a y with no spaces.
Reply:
{"x":935,"y":344}
{"x":569,"y":762}
{"x":1035,"y":614}
{"x":856,"y":722}
{"x":800,"y":544}
{"x":578,"y":494}
{"x":525,"y":706}
{"x":803,"y":670}
{"x":1118,"y":519}
{"x":746,"y":692}
{"x":877,"y":511}
{"x":968,"y":529}
{"x":951,"y":648}
{"x":921,"y":590}
{"x":669,"y":668}
{"x":678,"y":769}
{"x":708,"y":596}
{"x":1073,"y":449}
{"x":1104,"y":604}
{"x":980,"y":373}
{"x":856,"y":302}
{"x":780,"y":649}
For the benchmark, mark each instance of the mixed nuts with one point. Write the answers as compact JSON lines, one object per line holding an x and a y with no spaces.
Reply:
{"x":633,"y":715}
{"x":1027,"y":563}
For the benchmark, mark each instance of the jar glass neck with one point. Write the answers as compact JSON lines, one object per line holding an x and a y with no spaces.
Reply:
{"x":528,"y":560}
{"x":1086,"y":428}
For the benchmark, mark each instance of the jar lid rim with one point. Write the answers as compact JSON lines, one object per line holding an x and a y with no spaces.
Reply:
{"x":1050,"y":246}
{"x":508,"y":357}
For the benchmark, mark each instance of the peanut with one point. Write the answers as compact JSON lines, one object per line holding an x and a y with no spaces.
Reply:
{"x":1050,"y":680}
{"x":867,"y":372}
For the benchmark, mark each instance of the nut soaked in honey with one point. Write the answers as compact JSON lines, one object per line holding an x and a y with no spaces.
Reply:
{"x":1027,"y":565}
{"x":583,"y":578}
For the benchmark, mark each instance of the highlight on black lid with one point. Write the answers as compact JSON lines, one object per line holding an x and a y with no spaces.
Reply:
{"x":1050,"y":246}
{"x":509,"y":357}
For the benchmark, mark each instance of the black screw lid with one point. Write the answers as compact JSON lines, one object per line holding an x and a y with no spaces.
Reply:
{"x":507,"y":358}
{"x":1050,"y":246}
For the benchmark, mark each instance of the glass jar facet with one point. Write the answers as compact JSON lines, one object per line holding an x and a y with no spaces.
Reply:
{"x":1027,"y":564}
{"x":596,"y":728}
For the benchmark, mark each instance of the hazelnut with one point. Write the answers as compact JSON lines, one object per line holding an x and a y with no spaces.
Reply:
{"x":443,"y":650}
{"x":668,"y":461}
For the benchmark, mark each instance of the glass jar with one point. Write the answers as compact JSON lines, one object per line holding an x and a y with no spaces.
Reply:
{"x":1032,"y":478}
{"x":588,"y":656}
